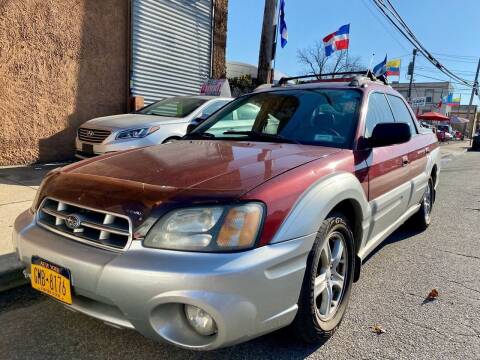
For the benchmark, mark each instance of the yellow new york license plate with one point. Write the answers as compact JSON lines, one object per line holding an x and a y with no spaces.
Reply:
{"x":51,"y":279}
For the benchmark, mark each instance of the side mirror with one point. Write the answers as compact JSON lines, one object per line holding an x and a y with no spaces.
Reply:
{"x":194,"y":123}
{"x":386,"y":134}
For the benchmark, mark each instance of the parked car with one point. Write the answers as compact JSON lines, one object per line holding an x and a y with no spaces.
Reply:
{"x":160,"y":122}
{"x":448,"y":132}
{"x":236,"y":231}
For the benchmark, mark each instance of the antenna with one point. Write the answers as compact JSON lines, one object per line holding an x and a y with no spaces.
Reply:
{"x":371,"y":61}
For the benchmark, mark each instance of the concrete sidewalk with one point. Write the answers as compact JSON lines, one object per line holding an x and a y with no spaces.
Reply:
{"x":18,"y":186}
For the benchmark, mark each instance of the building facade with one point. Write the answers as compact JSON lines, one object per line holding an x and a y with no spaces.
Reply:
{"x":431,"y":91}
{"x":65,"y":62}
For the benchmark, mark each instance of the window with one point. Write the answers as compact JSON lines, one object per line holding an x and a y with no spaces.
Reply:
{"x":378,"y":112}
{"x":401,"y":112}
{"x":429,"y":95}
{"x":313,"y":116}
{"x":212,"y":107}
{"x":173,"y":107}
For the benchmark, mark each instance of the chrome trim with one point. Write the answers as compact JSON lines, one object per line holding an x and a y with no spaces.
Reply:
{"x":81,"y":239}
{"x":91,"y":135}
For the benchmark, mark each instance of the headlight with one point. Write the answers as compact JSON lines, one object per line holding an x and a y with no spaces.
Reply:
{"x":137,"y":133}
{"x":210,"y":229}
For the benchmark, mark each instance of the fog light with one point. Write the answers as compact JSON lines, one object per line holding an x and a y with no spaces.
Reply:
{"x":201,"y":322}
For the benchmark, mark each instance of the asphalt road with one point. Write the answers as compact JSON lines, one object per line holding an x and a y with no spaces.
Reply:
{"x":391,"y":292}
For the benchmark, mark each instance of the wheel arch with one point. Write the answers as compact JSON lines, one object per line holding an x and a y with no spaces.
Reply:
{"x":337,"y":191}
{"x":313,"y":206}
{"x":172,"y":137}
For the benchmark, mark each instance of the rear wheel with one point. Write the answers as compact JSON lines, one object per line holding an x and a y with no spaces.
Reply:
{"x":327,"y":281}
{"x":422,"y":218}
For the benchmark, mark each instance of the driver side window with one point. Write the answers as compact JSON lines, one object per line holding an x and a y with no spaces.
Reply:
{"x":378,"y":112}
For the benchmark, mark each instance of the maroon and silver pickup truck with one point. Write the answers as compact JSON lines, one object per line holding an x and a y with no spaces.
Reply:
{"x":258,"y":219}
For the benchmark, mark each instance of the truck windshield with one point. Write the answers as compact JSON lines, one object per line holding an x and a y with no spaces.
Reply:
{"x":326,"y":117}
{"x":173,"y":107}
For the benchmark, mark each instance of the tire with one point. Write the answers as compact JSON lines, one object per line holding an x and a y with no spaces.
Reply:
{"x":317,"y":319}
{"x":422,"y":218}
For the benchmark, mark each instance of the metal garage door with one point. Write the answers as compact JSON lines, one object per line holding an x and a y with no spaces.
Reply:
{"x":171,"y":47}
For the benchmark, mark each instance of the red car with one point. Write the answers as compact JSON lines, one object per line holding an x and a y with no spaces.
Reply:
{"x":258,"y":219}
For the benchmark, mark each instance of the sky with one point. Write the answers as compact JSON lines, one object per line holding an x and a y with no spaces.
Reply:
{"x":447,"y":28}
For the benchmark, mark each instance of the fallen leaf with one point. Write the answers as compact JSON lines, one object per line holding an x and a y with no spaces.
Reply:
{"x":378,"y":329}
{"x":432,"y":295}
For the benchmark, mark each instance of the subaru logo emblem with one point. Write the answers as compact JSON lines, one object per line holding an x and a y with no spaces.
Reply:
{"x":73,"y":221}
{"x":90,"y":133}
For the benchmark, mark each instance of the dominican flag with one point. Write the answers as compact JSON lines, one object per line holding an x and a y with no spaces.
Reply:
{"x":381,"y":68}
{"x":283,"y":25}
{"x":337,"y":40}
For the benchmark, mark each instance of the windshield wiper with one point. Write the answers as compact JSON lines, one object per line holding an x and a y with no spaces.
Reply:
{"x":261,"y":135}
{"x":200,"y":135}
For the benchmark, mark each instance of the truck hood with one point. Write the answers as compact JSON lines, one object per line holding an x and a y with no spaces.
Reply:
{"x":126,"y":121}
{"x":184,"y":171}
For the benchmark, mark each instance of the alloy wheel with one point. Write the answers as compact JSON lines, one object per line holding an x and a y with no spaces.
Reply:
{"x":427,"y":202}
{"x":330,"y":279}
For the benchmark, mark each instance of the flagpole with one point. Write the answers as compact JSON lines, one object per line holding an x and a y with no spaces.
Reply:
{"x":272,"y":76}
{"x":371,"y":61}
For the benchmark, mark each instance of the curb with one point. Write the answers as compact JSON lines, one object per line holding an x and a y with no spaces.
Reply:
{"x":11,"y":272}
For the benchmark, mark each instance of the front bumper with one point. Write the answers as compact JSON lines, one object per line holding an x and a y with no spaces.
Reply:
{"x":114,"y":145}
{"x":247,"y":293}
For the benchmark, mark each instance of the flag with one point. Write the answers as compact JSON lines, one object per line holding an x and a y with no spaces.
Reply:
{"x":393,"y":67}
{"x":451,"y":101}
{"x":337,"y":40}
{"x":283,"y":25}
{"x":381,"y":68}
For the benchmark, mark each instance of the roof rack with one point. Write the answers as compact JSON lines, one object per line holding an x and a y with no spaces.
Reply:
{"x":354,"y":81}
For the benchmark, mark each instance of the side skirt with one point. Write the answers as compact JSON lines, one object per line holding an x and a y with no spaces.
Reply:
{"x":372,"y":244}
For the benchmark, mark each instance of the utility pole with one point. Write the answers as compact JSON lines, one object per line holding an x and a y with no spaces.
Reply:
{"x":266,"y":43}
{"x":474,"y":91}
{"x":411,"y":75}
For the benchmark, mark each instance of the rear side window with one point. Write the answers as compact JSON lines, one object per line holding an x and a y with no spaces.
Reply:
{"x":401,"y":112}
{"x":378,"y":112}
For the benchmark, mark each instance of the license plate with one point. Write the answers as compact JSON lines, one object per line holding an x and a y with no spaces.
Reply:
{"x":51,"y":279}
{"x":87,"y":148}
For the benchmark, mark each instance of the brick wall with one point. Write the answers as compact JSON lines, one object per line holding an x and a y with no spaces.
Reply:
{"x":61,"y":64}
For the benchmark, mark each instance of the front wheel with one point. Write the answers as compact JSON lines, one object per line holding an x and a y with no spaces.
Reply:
{"x":327,"y":281}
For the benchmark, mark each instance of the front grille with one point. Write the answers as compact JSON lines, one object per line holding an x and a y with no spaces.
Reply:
{"x":93,"y":135}
{"x":94,"y":227}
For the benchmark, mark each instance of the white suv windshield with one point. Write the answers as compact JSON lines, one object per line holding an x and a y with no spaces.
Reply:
{"x":317,"y":117}
{"x":173,"y":107}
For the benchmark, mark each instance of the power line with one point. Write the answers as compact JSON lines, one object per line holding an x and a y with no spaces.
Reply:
{"x":385,"y":27}
{"x":456,"y":56}
{"x":457,"y":71}
{"x":397,"y":21}
{"x":435,"y":78}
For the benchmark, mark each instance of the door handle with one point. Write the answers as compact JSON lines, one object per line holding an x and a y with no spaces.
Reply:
{"x":405,"y":161}
{"x":427,"y":150}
